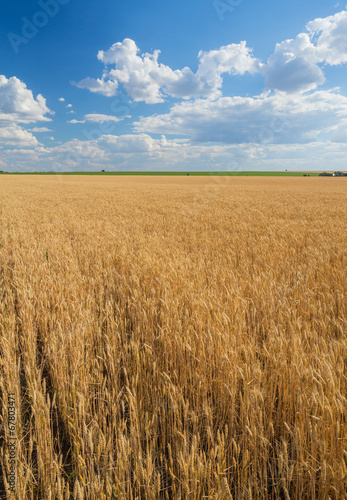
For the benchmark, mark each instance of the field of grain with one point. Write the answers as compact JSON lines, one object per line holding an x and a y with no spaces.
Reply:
{"x":179,"y":338}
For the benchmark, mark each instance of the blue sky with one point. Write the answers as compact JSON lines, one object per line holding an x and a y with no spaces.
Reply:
{"x":198,"y":85}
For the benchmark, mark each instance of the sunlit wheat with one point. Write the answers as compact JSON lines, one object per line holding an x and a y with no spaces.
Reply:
{"x":165,"y":339}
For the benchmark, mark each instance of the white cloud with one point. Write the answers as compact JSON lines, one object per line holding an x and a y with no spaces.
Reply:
{"x":133,"y":143}
{"x":269,"y":118}
{"x":61,"y":99}
{"x":40,"y":129}
{"x":17,"y":103}
{"x":294,"y":66}
{"x":113,"y":152}
{"x":76,"y":121}
{"x":330,"y":35}
{"x":69,"y":106}
{"x":96,"y":118}
{"x":13,"y":135}
{"x":145,"y":79}
{"x":141,"y":152}
{"x":99,"y":86}
{"x":74,"y":154}
{"x":234,"y":59}
{"x":99,"y":118}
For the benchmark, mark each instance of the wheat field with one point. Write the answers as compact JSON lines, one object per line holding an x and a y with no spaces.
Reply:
{"x":175,"y":338}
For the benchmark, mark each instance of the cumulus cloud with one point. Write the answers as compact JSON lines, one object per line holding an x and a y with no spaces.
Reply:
{"x":330,"y":36}
{"x":294,"y":66}
{"x":269,"y":118}
{"x":145,"y":79}
{"x":17,"y":103}
{"x":13,"y":135}
{"x":61,"y":99}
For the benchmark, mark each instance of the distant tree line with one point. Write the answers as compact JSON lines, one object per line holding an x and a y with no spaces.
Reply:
{"x":333,"y":174}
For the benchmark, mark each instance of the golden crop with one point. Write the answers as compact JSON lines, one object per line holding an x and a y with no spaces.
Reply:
{"x":174,"y":337}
